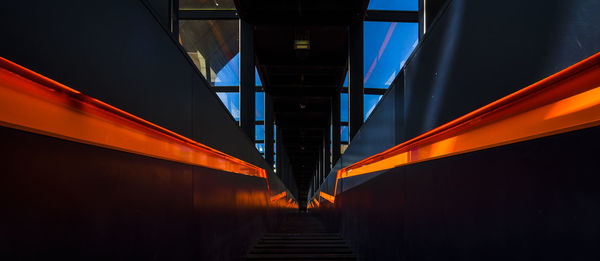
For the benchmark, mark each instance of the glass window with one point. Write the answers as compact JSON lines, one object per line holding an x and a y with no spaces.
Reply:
{"x":232,"y":102}
{"x":213,"y":46}
{"x":260,"y":147}
{"x":257,"y":78}
{"x":206,"y":4}
{"x":344,"y":107}
{"x":259,"y":132}
{"x":344,"y":134}
{"x":387,"y":46}
{"x":394,"y":5}
{"x":370,"y":101}
{"x":260,"y":106}
{"x":229,"y":74}
{"x":344,"y":147}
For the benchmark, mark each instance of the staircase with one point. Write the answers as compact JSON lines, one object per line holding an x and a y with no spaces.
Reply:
{"x":301,"y":237}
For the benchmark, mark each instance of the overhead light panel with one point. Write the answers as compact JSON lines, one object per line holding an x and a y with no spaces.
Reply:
{"x":302,"y":45}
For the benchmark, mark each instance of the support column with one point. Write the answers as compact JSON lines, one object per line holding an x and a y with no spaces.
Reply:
{"x":326,"y":153}
{"x":355,"y":81}
{"x":335,"y":129}
{"x":269,"y":129}
{"x":320,"y":168}
{"x":207,"y":72}
{"x":247,"y":84}
{"x":315,"y":181}
{"x":174,"y":26}
{"x":422,"y":18}
{"x":278,"y":158}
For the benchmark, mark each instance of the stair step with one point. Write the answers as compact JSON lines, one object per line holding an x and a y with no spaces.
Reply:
{"x":312,"y":250}
{"x":300,"y":246}
{"x":301,"y":256}
{"x":302,"y":241}
{"x":304,"y":236}
{"x":301,"y":234}
{"x":301,"y":237}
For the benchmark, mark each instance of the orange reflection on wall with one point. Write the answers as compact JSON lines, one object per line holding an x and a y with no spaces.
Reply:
{"x":34,"y":103}
{"x":247,"y":199}
{"x":292,"y":204}
{"x":327,"y":197}
{"x":566,"y":101}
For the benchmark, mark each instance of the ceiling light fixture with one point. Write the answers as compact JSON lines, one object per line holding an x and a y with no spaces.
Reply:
{"x":302,"y":45}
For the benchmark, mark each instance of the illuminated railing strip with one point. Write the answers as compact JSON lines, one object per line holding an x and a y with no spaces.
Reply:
{"x":566,"y":101}
{"x":34,"y":103}
{"x":279,"y":196}
{"x":327,"y":197}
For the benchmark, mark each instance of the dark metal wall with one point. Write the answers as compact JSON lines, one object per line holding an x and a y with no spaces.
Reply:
{"x":535,"y":200}
{"x":479,"y":51}
{"x":474,"y":53}
{"x":73,"y":201}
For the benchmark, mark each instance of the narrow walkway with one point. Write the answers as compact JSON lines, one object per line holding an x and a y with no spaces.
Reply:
{"x":301,"y":237}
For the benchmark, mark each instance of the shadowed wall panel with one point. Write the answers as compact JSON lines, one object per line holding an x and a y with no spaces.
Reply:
{"x":526,"y":201}
{"x":75,"y":201}
{"x":530,"y":200}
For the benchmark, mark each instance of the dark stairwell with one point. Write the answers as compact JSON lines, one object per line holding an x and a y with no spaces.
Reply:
{"x":301,"y":237}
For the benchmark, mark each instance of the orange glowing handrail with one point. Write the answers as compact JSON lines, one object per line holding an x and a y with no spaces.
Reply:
{"x":327,"y":197}
{"x":565,"y":101}
{"x":279,"y":196}
{"x":20,"y":84}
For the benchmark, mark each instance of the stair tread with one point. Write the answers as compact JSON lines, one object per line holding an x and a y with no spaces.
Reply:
{"x":309,"y":241}
{"x":301,"y":250}
{"x":301,"y":237}
{"x":317,"y":255}
{"x":300,"y":246}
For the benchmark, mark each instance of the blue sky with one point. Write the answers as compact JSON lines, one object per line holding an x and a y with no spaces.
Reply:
{"x":387,"y":46}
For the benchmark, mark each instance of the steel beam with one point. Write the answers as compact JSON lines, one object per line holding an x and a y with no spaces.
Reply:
{"x":326,"y":152}
{"x":268,"y":129}
{"x":208,"y":14}
{"x":335,"y":129}
{"x":247,"y":79}
{"x":174,"y":13}
{"x":392,"y":16}
{"x":422,"y":25}
{"x":355,"y":82}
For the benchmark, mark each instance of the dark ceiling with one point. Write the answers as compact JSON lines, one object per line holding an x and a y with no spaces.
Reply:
{"x":302,"y":82}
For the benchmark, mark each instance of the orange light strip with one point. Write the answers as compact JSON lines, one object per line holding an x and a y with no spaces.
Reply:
{"x":327,"y":197}
{"x":34,"y":103}
{"x":279,"y":196}
{"x":566,"y":101}
{"x":317,"y":204}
